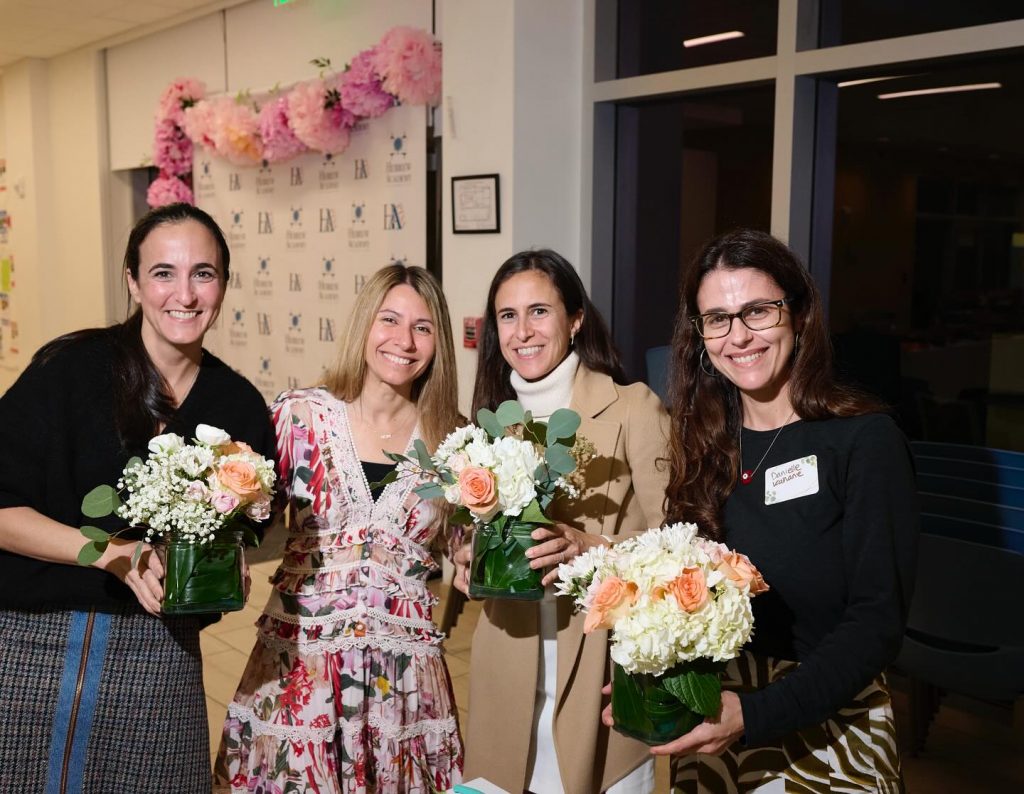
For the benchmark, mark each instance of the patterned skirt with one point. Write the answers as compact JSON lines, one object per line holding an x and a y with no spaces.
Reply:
{"x":854,"y":751}
{"x":94,"y":703}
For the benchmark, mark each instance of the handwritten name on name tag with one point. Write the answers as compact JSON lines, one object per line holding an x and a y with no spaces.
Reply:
{"x":791,"y":480}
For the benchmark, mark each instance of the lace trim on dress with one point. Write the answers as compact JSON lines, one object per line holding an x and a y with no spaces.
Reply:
{"x":344,"y":614}
{"x":424,"y":646}
{"x":308,"y":570}
{"x":350,"y":727}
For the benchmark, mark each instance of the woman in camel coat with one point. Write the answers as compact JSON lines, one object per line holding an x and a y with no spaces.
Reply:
{"x":534,"y":705}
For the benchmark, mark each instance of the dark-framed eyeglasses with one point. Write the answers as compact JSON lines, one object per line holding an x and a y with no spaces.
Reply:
{"x":757,"y":317}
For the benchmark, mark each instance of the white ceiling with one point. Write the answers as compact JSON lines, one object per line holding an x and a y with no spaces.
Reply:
{"x":45,"y":28}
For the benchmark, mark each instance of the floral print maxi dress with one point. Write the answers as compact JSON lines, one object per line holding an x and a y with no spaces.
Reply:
{"x":346,"y":689}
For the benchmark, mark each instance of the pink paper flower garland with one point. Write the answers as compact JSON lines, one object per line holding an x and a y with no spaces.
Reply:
{"x":317,"y":115}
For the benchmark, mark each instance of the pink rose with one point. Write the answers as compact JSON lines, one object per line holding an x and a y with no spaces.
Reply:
{"x":689,"y":589}
{"x":197,"y":491}
{"x":740,"y":572}
{"x":224,"y":501}
{"x":479,"y":491}
{"x":259,"y":511}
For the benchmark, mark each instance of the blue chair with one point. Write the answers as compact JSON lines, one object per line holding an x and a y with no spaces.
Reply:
{"x":965,"y":632}
{"x":656,"y":359}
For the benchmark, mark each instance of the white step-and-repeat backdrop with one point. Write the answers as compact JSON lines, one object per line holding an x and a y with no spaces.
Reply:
{"x":304,"y":236}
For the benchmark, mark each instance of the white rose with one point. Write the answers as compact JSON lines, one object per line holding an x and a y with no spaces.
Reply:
{"x":213,"y":436}
{"x":166,"y":443}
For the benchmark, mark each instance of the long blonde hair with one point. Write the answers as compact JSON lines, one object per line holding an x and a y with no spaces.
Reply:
{"x":435,"y":391}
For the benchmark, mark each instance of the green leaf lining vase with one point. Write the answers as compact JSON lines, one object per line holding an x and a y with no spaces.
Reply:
{"x":659,"y":708}
{"x":500,"y":567}
{"x":204,"y":578}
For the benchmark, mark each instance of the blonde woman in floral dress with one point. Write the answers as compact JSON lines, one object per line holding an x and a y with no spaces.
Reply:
{"x":346,"y":689}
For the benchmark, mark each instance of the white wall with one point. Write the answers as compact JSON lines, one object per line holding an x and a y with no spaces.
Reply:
{"x":512,"y":93}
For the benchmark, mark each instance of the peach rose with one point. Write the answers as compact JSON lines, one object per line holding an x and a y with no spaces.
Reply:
{"x":235,"y":447}
{"x":740,"y":572}
{"x":689,"y":589}
{"x":611,"y":601}
{"x":479,"y":491}
{"x":240,"y":477}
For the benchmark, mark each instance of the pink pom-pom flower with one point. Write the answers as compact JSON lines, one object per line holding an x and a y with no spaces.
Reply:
{"x":360,"y":87}
{"x":172,"y":150}
{"x":409,"y":62}
{"x":168,"y":190}
{"x":177,"y":97}
{"x":199,"y":123}
{"x":236,"y":132}
{"x":317,"y":117}
{"x":279,"y":141}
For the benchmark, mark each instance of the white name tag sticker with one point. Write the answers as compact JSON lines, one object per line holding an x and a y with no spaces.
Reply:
{"x":791,"y":480}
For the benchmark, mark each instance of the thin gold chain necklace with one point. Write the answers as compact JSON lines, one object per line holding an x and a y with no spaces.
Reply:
{"x":747,"y":475}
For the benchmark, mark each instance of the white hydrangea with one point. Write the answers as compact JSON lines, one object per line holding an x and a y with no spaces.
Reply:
{"x":456,"y":442}
{"x":516,"y":460}
{"x":655,"y":632}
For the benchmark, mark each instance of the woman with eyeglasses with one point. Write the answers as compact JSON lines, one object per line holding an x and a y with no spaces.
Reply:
{"x":807,"y":477}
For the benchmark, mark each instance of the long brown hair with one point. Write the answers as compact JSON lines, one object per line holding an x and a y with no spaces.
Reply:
{"x":593,"y":343}
{"x":435,"y":391}
{"x":705,"y":409}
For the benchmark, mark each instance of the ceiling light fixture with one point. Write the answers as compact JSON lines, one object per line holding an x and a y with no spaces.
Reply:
{"x":714,"y":38}
{"x":862,"y":81}
{"x":947,"y":89}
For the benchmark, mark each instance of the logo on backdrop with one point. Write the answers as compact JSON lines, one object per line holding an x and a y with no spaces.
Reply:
{"x":329,"y":175}
{"x":360,"y":282}
{"x":294,"y":282}
{"x":394,"y":217}
{"x":264,"y":179}
{"x":358,"y":234}
{"x":264,"y":222}
{"x":295,"y":176}
{"x":294,"y":339}
{"x":204,"y":186}
{"x":326,"y":219}
{"x":234,"y":182}
{"x":360,"y":166}
{"x":263,"y":323}
{"x":398,"y":169}
{"x":234,"y":279}
{"x":327,"y":284}
{"x":263,"y":281}
{"x":326,"y":329}
{"x":237,"y":335}
{"x":264,"y":380}
{"x":236,"y":231}
{"x":295,"y":237}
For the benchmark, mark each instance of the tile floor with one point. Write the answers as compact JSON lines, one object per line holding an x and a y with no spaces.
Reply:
{"x":971,"y":747}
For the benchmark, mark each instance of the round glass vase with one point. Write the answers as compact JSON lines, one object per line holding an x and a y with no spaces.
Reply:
{"x":203,"y":578}
{"x":500,"y":567}
{"x":643,"y":709}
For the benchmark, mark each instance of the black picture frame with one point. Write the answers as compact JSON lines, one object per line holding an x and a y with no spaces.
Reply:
{"x":476,"y":204}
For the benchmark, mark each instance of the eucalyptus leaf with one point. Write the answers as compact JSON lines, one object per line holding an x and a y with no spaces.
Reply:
{"x":510,"y":413}
{"x":387,"y":479}
{"x":91,"y":552}
{"x":535,"y":431}
{"x":447,"y":477}
{"x":533,"y":514}
{"x":136,"y":554}
{"x":429,"y":490}
{"x":423,"y":456}
{"x":95,"y":533}
{"x":489,"y":422}
{"x":133,"y":462}
{"x":560,"y":460}
{"x":562,"y":424}
{"x":700,"y":691}
{"x":100,"y":501}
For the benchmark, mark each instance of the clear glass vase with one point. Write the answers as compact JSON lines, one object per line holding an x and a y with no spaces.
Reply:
{"x":644,"y":709}
{"x":500,"y":566}
{"x":202,"y":578}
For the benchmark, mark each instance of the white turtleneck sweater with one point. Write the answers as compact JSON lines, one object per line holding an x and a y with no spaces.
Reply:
{"x":542,"y":398}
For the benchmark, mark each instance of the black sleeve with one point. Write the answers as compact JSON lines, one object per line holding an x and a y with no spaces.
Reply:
{"x":879,"y":543}
{"x":27,"y":437}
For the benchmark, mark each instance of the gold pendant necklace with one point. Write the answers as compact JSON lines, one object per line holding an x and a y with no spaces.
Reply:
{"x":747,"y":475}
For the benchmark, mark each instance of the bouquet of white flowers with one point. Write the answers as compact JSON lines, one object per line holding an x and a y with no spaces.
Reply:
{"x":678,"y":607}
{"x":198,"y":501}
{"x":501,"y":475}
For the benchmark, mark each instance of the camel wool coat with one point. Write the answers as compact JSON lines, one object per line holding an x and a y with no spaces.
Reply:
{"x":624,"y":495}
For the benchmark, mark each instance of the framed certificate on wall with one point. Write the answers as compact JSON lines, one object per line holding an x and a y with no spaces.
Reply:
{"x":476,"y":204}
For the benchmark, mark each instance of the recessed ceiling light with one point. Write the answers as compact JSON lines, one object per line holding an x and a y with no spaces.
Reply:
{"x":713,"y":38}
{"x":848,"y":83}
{"x":947,"y":89}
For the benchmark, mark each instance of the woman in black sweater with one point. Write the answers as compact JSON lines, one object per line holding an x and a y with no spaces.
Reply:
{"x":810,"y":480}
{"x":97,"y":695}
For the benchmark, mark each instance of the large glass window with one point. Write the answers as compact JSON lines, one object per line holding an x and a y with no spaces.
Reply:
{"x":927,"y":280}
{"x":853,"y":21}
{"x":686,"y":169}
{"x":663,"y":35}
